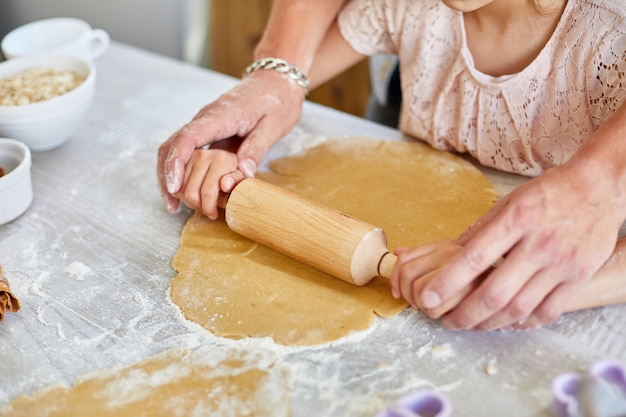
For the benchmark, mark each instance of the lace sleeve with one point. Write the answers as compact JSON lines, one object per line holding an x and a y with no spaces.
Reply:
{"x":607,"y":89}
{"x":372,"y":26}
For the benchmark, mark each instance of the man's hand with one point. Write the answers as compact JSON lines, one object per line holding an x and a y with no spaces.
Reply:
{"x":547,"y":238}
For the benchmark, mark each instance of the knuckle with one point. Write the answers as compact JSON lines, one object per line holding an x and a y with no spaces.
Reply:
{"x":494,"y":298}
{"x":458,"y":318}
{"x":450,"y":247}
{"x":432,"y":313}
{"x":458,"y":322}
{"x":403,"y":272}
{"x":184,"y":132}
{"x":190,"y":198}
{"x":435,"y":313}
{"x":576,"y":274}
{"x":521,"y":215}
{"x":256,"y":145}
{"x":474,"y":261}
{"x":403,"y":257}
{"x":207,"y":193}
{"x":519,"y":307}
{"x":548,"y":242}
{"x":581,"y":272}
{"x":524,"y":214}
{"x":547,"y":314}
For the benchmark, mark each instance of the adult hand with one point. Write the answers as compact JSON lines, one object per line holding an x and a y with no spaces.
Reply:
{"x":261,"y":109}
{"x":548,"y":237}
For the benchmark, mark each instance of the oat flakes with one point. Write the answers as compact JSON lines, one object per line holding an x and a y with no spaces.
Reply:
{"x":36,"y":85}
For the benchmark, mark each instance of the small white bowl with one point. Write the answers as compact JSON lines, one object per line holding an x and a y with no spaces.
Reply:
{"x":57,"y":35}
{"x":48,"y":124}
{"x":16,"y":190}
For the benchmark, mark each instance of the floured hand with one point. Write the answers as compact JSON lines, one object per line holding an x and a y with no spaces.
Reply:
{"x":264,"y":107}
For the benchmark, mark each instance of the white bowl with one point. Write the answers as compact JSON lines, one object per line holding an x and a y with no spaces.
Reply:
{"x":48,"y":124}
{"x":16,"y":191}
{"x":58,"y":35}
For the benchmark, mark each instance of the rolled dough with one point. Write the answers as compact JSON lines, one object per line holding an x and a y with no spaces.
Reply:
{"x":178,"y":382}
{"x":236,"y":288}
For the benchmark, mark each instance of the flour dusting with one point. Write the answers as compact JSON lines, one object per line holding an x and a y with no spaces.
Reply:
{"x":437,"y":352}
{"x":78,"y":270}
{"x":35,"y":289}
{"x":443,"y":351}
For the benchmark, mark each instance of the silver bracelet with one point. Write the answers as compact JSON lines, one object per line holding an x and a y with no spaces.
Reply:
{"x":282,"y":66}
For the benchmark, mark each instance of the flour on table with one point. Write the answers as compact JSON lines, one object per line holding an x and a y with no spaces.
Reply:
{"x":35,"y":289}
{"x":443,"y":351}
{"x":491,"y":368}
{"x":437,"y":352}
{"x":78,"y":270}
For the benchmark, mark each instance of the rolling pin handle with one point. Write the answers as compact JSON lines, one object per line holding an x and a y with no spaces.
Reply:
{"x":386,"y":264}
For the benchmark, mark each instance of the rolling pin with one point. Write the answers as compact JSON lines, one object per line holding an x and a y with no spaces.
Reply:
{"x":310,"y":232}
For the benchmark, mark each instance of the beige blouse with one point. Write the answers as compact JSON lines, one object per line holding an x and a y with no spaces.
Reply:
{"x":524,"y":122}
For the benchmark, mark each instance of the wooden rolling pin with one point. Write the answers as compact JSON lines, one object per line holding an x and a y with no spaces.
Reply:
{"x":310,"y":232}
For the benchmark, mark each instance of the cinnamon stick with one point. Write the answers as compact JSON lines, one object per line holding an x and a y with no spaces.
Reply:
{"x":8,"y":301}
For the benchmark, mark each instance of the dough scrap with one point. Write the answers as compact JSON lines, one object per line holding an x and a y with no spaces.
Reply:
{"x":236,"y":288}
{"x":178,"y":382}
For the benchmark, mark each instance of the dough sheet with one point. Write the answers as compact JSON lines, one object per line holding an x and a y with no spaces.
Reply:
{"x":180,"y":382}
{"x":237,"y":288}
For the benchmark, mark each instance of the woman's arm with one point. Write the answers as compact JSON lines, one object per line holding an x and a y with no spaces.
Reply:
{"x":295,"y":30}
{"x":264,"y":107}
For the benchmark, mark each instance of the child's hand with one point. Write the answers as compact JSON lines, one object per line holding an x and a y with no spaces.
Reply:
{"x":201,"y":182}
{"x":418,"y":266}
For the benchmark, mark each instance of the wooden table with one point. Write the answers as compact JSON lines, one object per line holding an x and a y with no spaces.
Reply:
{"x":90,"y":263}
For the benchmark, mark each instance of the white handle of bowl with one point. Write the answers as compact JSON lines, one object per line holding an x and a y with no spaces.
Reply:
{"x":100,"y":41}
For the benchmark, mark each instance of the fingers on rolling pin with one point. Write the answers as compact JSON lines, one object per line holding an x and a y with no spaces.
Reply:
{"x":303,"y":229}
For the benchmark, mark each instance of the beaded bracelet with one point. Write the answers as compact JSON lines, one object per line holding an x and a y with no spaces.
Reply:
{"x":282,"y":66}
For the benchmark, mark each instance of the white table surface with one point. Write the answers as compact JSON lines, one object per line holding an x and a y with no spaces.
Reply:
{"x":90,"y":263}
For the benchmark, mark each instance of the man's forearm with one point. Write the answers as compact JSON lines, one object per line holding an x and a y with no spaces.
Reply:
{"x":604,"y":157}
{"x":604,"y":153}
{"x":607,"y":286}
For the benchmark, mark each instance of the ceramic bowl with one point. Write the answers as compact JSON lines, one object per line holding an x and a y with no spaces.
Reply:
{"x":50,"y":123}
{"x":59,"y":35}
{"x":16,"y":191}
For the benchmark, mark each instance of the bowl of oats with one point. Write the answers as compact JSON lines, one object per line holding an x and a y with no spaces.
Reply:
{"x":16,"y":191}
{"x":43,"y":98}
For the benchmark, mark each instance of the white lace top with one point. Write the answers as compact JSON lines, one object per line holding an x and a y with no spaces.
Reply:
{"x":525,"y":122}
